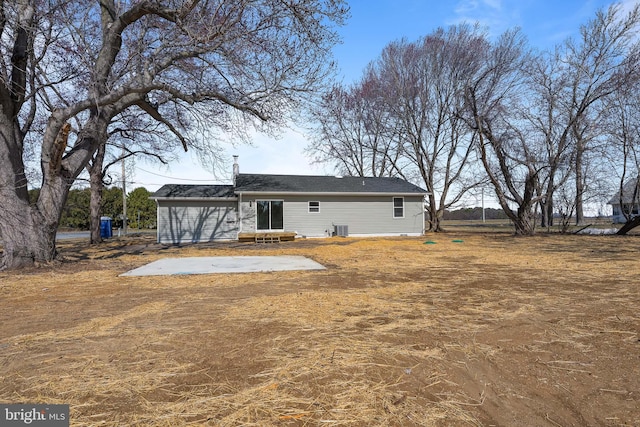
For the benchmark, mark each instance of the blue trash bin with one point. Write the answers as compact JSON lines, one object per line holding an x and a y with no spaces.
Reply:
{"x":105,"y":227}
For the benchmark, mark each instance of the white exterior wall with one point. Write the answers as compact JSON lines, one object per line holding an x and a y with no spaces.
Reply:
{"x":618,"y":215}
{"x":364,"y":215}
{"x":196,"y":221}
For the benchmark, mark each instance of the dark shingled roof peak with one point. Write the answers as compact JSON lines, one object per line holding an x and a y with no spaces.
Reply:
{"x":323,"y":184}
{"x":195,"y":191}
{"x":260,"y":183}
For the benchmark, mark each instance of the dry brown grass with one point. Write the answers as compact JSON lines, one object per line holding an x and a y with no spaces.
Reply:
{"x":493,"y":330}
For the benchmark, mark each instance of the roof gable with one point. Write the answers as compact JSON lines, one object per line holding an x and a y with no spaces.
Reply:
{"x":630,"y":189}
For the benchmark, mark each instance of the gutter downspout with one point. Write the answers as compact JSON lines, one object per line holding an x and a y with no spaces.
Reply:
{"x":236,"y":172}
{"x":239,"y":215}
{"x":423,"y":218}
{"x":157,"y":221}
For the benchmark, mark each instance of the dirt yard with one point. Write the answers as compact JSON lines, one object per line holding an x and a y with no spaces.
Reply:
{"x":468,"y":330}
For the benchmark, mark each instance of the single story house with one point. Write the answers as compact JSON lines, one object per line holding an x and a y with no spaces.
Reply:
{"x":630,"y":201}
{"x":302,"y":205}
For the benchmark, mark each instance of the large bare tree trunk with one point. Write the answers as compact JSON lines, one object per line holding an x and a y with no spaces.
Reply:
{"x":629,"y":225}
{"x":579,"y":185}
{"x":95,"y":207}
{"x":547,"y":205}
{"x":523,"y":219}
{"x":503,"y":179}
{"x":525,"y":222}
{"x":435,"y":214}
{"x":96,"y":176}
{"x":28,"y":231}
{"x":28,"y":237}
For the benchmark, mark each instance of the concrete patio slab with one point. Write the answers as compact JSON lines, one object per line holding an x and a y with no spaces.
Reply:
{"x":224,"y":264}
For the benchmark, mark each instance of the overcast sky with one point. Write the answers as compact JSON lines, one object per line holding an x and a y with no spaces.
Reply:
{"x":373,"y":24}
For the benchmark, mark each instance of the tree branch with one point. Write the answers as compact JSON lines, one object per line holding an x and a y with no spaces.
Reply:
{"x":19,"y":56}
{"x":155,"y":114}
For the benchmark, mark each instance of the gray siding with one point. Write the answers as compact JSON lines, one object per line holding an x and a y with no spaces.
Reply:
{"x":364,"y":215}
{"x":196,"y":221}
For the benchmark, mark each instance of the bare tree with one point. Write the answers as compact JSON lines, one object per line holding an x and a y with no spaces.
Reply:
{"x":547,"y":122}
{"x":354,"y":130}
{"x":494,"y":110}
{"x":402,"y":117}
{"x":133,"y":134}
{"x":548,"y":134}
{"x":604,"y":58}
{"x":424,"y":84}
{"x":83,"y":62}
{"x":623,"y":124}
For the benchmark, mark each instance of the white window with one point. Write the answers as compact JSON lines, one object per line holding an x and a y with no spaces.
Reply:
{"x":398,"y":207}
{"x":314,"y":207}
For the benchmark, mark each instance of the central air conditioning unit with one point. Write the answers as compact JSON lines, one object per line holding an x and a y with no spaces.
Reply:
{"x":341,"y":230}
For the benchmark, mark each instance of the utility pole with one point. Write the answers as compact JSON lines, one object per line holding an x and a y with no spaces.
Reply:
{"x":483,"y":205}
{"x":124,"y":198}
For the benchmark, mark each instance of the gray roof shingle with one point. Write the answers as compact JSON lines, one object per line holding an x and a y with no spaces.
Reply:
{"x":195,"y":191}
{"x":323,"y":184}
{"x":260,"y":183}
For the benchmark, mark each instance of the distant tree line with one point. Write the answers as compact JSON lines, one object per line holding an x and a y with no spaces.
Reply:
{"x":141,"y":211}
{"x":467,"y":214}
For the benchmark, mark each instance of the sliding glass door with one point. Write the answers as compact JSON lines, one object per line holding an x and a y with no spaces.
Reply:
{"x":269,"y":214}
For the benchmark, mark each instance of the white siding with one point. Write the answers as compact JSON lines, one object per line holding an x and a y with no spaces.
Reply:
{"x":364,"y":215}
{"x":196,"y":221}
{"x":618,"y":214}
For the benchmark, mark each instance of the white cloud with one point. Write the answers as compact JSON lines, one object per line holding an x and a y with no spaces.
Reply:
{"x":478,"y":6}
{"x":492,"y":14}
{"x":628,"y":5}
{"x":495,"y":4}
{"x":466,"y":6}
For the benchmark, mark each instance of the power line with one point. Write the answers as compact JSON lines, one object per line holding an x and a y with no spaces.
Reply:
{"x":177,"y":179}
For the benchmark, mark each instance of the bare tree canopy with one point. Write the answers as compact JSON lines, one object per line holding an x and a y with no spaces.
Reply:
{"x":69,"y":68}
{"x":354,"y":130}
{"x":493,"y":110}
{"x":537,"y":121}
{"x":622,"y":119}
{"x":602,"y":61}
{"x":402,"y":118}
{"x":425,"y":83}
{"x":540,"y":118}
